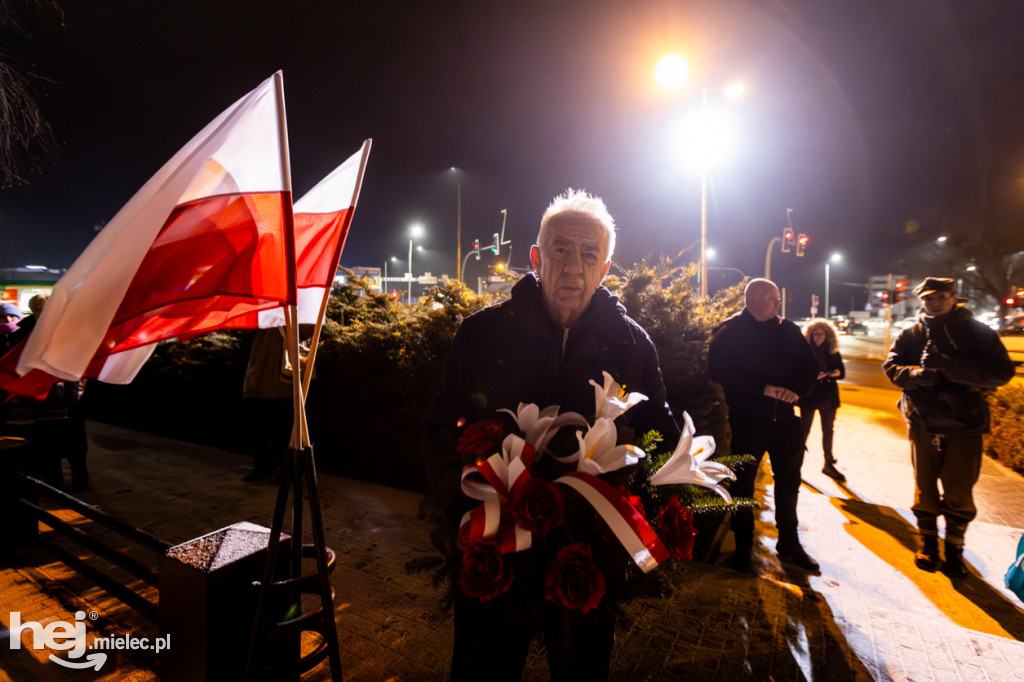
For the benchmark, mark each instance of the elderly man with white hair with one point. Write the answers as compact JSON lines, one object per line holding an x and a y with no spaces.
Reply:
{"x":559,"y":331}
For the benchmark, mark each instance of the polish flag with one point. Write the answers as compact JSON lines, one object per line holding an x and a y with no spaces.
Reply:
{"x":322,"y":219}
{"x":206,"y":239}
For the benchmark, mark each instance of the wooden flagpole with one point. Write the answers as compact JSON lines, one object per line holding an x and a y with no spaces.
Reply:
{"x":299,"y":471}
{"x":307,"y":376}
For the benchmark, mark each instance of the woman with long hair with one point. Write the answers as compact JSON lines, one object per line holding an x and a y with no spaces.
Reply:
{"x":825,"y":396}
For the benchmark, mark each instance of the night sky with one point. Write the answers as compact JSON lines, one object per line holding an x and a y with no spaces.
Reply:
{"x":881,"y":123}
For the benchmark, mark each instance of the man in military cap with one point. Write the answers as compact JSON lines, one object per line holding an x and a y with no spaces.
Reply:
{"x":945,"y":363}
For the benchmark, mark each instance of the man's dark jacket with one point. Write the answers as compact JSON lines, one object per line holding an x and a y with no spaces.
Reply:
{"x":746,"y":355}
{"x":515,"y":353}
{"x":951,"y":401}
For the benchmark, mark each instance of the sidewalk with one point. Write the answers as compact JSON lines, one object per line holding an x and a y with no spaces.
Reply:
{"x":869,"y":615}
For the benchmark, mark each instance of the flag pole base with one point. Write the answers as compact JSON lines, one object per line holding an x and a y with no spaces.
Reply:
{"x":292,"y":602}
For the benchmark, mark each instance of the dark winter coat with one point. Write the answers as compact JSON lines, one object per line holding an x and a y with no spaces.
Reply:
{"x":746,"y":355}
{"x":825,"y":394}
{"x":950,"y":401}
{"x":515,"y":353}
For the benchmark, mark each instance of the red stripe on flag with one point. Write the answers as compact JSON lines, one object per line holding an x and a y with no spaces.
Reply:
{"x":36,"y":384}
{"x":319,"y":240}
{"x":215,"y":259}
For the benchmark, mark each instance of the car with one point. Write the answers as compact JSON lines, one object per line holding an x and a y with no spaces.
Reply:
{"x":849,"y":325}
{"x":1012,"y":336}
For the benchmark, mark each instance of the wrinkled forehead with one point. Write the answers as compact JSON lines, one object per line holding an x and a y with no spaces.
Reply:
{"x":572,"y":230}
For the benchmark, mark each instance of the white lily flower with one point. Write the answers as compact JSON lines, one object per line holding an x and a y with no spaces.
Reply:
{"x":540,"y":426}
{"x":599,"y":454}
{"x":611,"y":401}
{"x":689,"y":463}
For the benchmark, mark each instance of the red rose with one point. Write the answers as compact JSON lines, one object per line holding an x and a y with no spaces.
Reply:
{"x":574,"y":581}
{"x":537,"y":505}
{"x":484,"y":572}
{"x":480,"y":438}
{"x":675,"y":528}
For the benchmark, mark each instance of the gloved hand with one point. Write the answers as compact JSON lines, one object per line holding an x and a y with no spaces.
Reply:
{"x":934,"y":361}
{"x":925,"y":377}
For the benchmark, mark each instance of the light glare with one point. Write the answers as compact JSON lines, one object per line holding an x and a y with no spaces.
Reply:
{"x":672,"y":71}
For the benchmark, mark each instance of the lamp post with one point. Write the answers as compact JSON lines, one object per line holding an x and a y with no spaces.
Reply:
{"x":415,"y":231}
{"x":458,"y":225}
{"x":835,"y":258}
{"x":672,"y":71}
{"x":393,"y":259}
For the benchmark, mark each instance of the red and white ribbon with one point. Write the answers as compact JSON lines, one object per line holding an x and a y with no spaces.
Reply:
{"x":501,"y":473}
{"x":639,"y":540}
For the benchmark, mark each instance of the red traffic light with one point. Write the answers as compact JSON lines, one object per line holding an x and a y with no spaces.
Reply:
{"x":1010,"y":302}
{"x":801,"y":244}
{"x":787,"y":239}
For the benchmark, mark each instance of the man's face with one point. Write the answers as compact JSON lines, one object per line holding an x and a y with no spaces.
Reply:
{"x":571,"y":261}
{"x":762,"y":300}
{"x":938,"y":303}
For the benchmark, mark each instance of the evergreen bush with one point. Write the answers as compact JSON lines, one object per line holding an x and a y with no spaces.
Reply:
{"x":379,"y":362}
{"x":1006,"y":441}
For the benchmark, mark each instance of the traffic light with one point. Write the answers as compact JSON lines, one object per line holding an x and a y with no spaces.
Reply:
{"x":1010,"y":302}
{"x":900,"y":292}
{"x":886,"y":297}
{"x":801,"y":244}
{"x":476,"y":248}
{"x":787,"y":239}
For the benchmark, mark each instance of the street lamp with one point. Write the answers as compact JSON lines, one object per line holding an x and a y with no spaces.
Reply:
{"x":393,"y":259}
{"x":671,"y":73}
{"x":415,"y":231}
{"x":835,"y":258}
{"x":458,"y":225}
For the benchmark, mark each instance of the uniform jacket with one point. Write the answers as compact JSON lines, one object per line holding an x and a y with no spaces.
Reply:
{"x":949,"y":401}
{"x":746,"y":355}
{"x":515,"y":353}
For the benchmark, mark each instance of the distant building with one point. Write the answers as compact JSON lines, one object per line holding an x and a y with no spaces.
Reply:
{"x":20,"y":284}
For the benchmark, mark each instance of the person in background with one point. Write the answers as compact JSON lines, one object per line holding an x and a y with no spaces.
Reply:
{"x":945,"y":363}
{"x":54,"y":426}
{"x":10,"y":320}
{"x":824,"y":397}
{"x":764,"y":365}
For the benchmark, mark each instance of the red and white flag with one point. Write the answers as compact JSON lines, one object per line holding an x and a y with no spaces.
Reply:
{"x":322,"y":219}
{"x":207,"y":239}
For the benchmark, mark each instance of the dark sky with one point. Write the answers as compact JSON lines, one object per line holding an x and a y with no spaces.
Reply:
{"x":860,"y":115}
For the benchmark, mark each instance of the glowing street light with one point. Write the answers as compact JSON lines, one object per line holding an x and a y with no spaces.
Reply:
{"x":415,"y":231}
{"x":835,"y":258}
{"x":671,"y":73}
{"x":458,"y":225}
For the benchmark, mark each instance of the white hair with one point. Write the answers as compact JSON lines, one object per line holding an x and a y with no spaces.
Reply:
{"x":580,"y":205}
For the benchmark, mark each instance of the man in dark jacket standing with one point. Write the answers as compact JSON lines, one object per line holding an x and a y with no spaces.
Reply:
{"x":559,"y":331}
{"x":765,"y":365}
{"x":945,"y":363}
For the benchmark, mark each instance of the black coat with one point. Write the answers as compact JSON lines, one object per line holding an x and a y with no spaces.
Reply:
{"x":515,"y":353}
{"x":825,"y":394}
{"x":746,"y":355}
{"x":950,"y":401}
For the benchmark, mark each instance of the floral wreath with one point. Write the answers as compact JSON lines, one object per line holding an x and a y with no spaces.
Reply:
{"x":518,"y":505}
